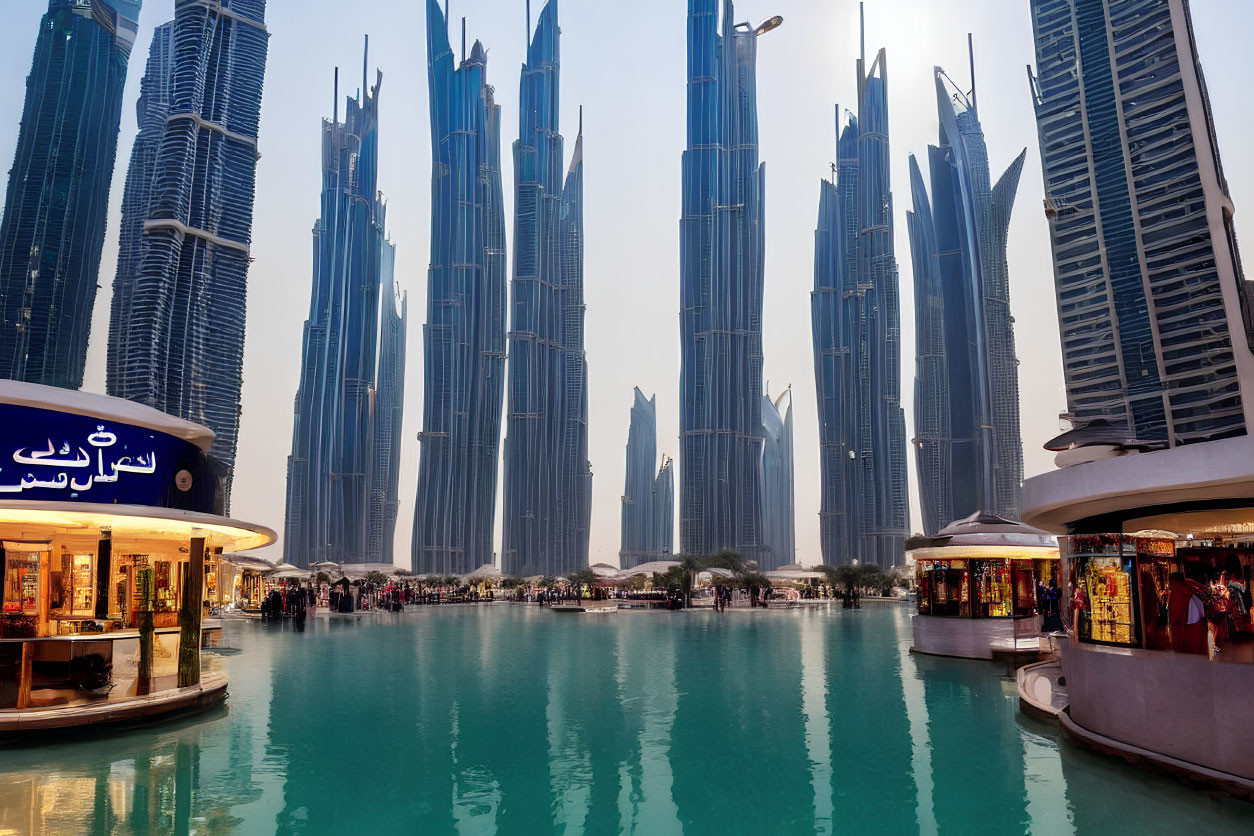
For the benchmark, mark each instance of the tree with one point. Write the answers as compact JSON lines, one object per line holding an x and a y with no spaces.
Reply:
{"x":376,"y":578}
{"x":582,"y":576}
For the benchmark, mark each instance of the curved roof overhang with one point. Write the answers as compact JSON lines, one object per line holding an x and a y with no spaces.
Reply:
{"x":133,"y":521}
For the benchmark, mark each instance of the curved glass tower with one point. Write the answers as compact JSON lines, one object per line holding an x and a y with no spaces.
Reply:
{"x":53,"y":226}
{"x":1153,"y":307}
{"x":855,"y":311}
{"x":966,"y":405}
{"x":343,"y":429}
{"x":778,"y":517}
{"x":152,"y":110}
{"x":464,"y":337}
{"x":548,"y":482}
{"x":722,"y":255}
{"x":639,"y":526}
{"x":184,"y":328}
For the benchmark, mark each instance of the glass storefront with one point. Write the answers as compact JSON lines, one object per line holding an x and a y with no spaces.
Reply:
{"x":1161,"y":593}
{"x":982,"y":587}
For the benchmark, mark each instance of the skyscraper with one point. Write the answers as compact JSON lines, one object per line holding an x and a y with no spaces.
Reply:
{"x":152,"y":110}
{"x":389,"y":407}
{"x":778,"y":516}
{"x":663,"y":542}
{"x":343,"y":470}
{"x":722,"y":256}
{"x":855,"y":310}
{"x":464,"y":338}
{"x":966,"y":405}
{"x":184,"y":329}
{"x":638,"y":530}
{"x":55,"y":209}
{"x":1152,"y":304}
{"x":548,"y":482}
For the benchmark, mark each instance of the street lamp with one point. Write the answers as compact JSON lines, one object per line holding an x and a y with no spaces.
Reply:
{"x":769,"y":24}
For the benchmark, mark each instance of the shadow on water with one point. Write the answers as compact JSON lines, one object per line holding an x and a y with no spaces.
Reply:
{"x":519,"y":720}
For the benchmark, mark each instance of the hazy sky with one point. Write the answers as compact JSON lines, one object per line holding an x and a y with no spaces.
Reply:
{"x":625,"y":63}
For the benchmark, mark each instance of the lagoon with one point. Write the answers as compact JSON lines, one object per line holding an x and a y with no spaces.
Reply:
{"x":512,"y":719}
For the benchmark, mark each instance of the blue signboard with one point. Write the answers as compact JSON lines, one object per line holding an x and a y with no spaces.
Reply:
{"x":50,"y":456}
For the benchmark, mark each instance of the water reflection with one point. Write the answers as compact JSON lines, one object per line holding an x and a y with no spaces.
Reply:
{"x":517,"y":720}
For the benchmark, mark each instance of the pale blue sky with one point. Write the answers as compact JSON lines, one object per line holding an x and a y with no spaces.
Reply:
{"x":625,"y":62}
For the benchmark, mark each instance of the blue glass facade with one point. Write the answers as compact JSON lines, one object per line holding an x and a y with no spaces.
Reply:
{"x":152,"y":110}
{"x":636,"y":534}
{"x":389,"y":405}
{"x":342,"y":473}
{"x":966,"y":406}
{"x":722,"y":255}
{"x":855,"y":315}
{"x":184,"y":329}
{"x":53,"y":226}
{"x":548,"y":482}
{"x":779,"y":535}
{"x":1152,"y":304}
{"x":464,"y":336}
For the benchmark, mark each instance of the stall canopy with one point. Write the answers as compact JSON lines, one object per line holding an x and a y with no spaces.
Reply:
{"x":285,"y":571}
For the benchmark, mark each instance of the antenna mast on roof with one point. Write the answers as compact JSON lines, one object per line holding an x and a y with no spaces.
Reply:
{"x":463,"y":38}
{"x":365,"y":60}
{"x":862,"y":31}
{"x":971,"y":55}
{"x":335,"y":99}
{"x":527,"y":42}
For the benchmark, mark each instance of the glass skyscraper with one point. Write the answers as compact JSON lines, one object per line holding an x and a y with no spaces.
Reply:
{"x":342,"y":473}
{"x":722,"y":255}
{"x":464,"y":337}
{"x":966,"y":403}
{"x":183,"y":331}
{"x":855,"y":310}
{"x":1153,"y":308}
{"x":152,"y":110}
{"x":548,"y":481}
{"x":779,"y":534}
{"x":648,"y":502}
{"x":53,"y":226}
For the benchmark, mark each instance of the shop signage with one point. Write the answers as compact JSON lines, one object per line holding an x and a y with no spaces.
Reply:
{"x":50,"y":456}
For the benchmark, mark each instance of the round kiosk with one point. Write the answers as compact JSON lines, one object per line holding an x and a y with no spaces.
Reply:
{"x":111,"y":533}
{"x":1158,"y":570}
{"x":977,"y":583}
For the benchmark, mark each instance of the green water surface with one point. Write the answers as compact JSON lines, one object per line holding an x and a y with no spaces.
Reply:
{"x":514,"y":719}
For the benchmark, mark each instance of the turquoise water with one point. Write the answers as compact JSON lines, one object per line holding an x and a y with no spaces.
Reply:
{"x":514,"y":719}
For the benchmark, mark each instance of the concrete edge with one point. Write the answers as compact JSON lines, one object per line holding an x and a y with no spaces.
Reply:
{"x":1027,"y":704}
{"x":211,"y":691}
{"x":1189,"y":773}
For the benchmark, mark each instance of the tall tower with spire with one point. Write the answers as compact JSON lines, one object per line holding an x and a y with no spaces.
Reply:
{"x":548,"y":481}
{"x":966,"y":405}
{"x":855,"y":310}
{"x":464,"y":335}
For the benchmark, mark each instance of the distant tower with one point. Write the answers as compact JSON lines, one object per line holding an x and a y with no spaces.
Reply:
{"x":722,"y":259}
{"x":344,"y":464}
{"x":464,"y":336}
{"x":966,"y":405}
{"x":855,"y":308}
{"x":778,"y":515}
{"x":53,"y":226}
{"x":1153,"y":309}
{"x":548,"y":481}
{"x":663,"y":540}
{"x":639,"y":529}
{"x":184,"y":329}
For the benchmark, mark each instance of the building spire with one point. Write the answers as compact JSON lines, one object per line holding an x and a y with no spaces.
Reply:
{"x":527,"y":42}
{"x":862,"y":31}
{"x":335,"y":99}
{"x":463,"y":38}
{"x":971,"y":56}
{"x":365,"y":60}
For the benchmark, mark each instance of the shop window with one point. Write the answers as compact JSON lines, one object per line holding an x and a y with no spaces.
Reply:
{"x":21,"y":583}
{"x":73,"y":585}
